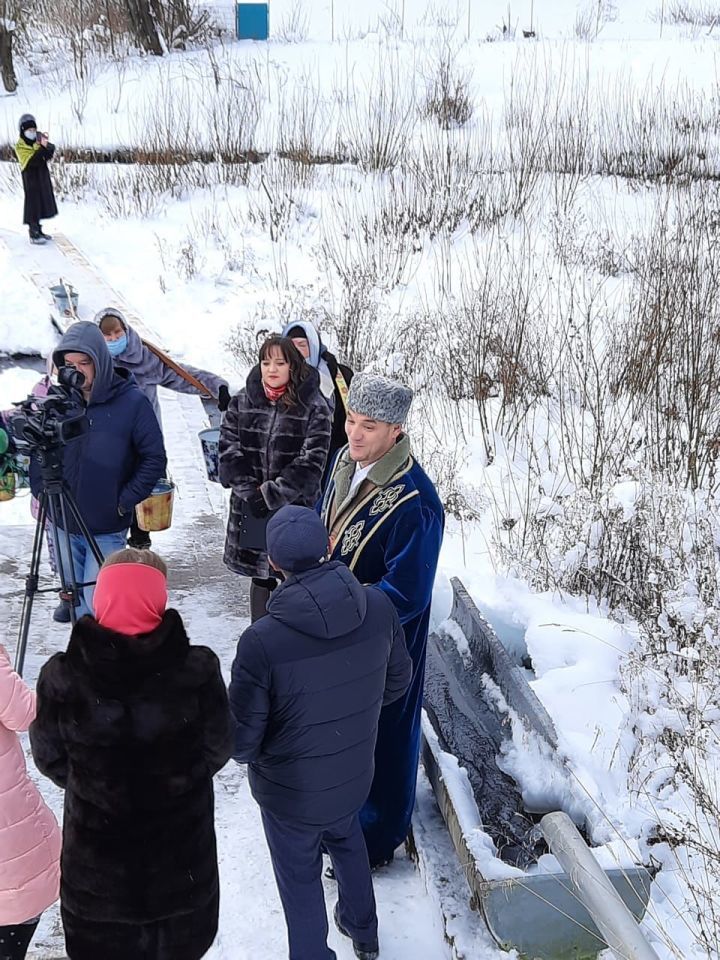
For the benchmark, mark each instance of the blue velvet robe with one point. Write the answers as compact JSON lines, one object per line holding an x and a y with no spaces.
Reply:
{"x":393,"y":538}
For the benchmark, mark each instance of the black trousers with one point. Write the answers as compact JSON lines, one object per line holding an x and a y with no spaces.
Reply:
{"x":15,"y":940}
{"x":296,"y":856}
{"x":136,"y":534}
{"x":260,"y":590}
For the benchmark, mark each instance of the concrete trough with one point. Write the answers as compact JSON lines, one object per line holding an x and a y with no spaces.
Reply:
{"x":542,"y":915}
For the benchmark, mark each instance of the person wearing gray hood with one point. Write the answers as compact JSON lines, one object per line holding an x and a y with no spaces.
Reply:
{"x":130,"y":353}
{"x":112,"y":467}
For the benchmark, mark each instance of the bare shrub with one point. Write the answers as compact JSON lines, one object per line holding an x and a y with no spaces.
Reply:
{"x":448,"y":98}
{"x":137,"y":191}
{"x":377,"y":117}
{"x":691,"y":14}
{"x":592,"y":17}
{"x":279,"y":197}
{"x":72,"y":181}
{"x":304,"y":118}
{"x":667,"y":357}
{"x":233,"y":116}
{"x":295,"y":25}
{"x":491,"y":344}
{"x":527,"y":103}
{"x":361,"y":241}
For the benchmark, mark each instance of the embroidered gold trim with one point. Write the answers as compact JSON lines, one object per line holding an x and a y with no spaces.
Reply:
{"x":381,"y":521}
{"x":365,"y":501}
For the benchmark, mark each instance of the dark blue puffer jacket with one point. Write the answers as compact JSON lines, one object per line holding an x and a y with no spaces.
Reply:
{"x":308,"y":682}
{"x":119,"y":460}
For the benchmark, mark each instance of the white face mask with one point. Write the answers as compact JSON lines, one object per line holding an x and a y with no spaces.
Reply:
{"x":31,"y":134}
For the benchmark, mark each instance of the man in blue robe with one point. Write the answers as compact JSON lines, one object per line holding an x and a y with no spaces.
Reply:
{"x":386,"y":523}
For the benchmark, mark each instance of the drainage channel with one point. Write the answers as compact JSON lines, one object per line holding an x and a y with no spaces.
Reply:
{"x":570,"y":915}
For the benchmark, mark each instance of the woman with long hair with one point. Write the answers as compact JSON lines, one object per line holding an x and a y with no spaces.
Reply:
{"x":133,"y":722}
{"x":274,"y":443}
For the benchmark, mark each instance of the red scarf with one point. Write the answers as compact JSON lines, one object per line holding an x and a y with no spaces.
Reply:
{"x":274,"y":393}
{"x":130,"y":598}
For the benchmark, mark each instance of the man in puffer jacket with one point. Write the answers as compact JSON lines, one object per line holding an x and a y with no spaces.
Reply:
{"x":112,"y":467}
{"x":308,"y":682}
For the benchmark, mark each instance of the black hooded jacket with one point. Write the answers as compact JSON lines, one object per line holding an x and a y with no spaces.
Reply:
{"x":308,"y":682}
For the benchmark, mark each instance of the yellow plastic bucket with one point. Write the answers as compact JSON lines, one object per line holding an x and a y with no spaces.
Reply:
{"x":155,"y":513}
{"x":7,"y":486}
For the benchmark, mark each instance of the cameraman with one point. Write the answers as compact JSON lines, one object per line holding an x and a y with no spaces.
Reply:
{"x":113,"y":466}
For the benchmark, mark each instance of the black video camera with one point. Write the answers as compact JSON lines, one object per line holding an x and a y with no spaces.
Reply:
{"x":54,"y":420}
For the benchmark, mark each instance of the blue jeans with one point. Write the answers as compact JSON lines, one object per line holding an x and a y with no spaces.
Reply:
{"x":84,"y":565}
{"x":295,"y":851}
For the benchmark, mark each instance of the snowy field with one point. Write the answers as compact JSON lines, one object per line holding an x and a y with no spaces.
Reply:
{"x":525,"y":228}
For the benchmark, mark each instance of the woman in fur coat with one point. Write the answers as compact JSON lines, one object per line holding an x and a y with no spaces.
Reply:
{"x":133,"y":722}
{"x":274,"y":444}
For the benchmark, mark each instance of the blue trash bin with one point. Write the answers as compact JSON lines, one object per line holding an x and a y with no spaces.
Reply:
{"x":252,"y":21}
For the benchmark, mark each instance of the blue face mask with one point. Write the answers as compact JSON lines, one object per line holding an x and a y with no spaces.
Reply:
{"x":116,"y":347}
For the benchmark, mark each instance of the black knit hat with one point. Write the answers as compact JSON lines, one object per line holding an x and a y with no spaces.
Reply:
{"x":27,"y":120}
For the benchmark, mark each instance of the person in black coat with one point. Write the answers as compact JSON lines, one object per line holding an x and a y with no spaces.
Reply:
{"x":33,"y":151}
{"x":133,"y":722}
{"x":335,"y":379}
{"x":308,"y":683}
{"x":273,"y":448}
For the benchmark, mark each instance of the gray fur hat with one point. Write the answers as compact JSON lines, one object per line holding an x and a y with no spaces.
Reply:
{"x":379,"y":398}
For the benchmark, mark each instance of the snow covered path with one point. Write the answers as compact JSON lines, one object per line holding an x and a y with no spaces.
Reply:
{"x":214,"y":606}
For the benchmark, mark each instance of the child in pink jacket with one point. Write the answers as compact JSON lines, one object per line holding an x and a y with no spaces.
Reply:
{"x":29,"y":833}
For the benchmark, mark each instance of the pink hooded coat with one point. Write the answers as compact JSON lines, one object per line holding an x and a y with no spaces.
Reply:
{"x":29,"y":834}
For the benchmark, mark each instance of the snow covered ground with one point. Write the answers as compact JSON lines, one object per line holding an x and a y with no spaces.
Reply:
{"x":214,"y":606}
{"x":207,"y":255}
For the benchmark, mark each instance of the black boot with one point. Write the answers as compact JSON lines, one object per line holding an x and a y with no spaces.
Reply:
{"x":363,"y":951}
{"x":61,"y":613}
{"x":140,"y":540}
{"x":45,"y":236}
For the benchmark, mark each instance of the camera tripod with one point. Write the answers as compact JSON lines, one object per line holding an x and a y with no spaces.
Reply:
{"x":58,"y":505}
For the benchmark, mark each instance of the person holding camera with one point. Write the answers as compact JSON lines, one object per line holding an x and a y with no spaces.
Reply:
{"x":274,"y":442}
{"x":112,"y":466}
{"x":33,"y":150}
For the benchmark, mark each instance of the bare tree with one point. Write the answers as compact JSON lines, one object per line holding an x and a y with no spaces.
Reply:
{"x":144,"y":24}
{"x":9,"y":15}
